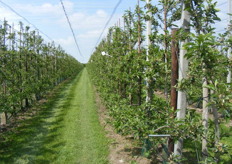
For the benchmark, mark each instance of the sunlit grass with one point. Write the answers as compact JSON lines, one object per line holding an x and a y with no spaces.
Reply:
{"x":66,"y":130}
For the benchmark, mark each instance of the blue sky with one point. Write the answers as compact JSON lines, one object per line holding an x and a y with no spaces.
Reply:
{"x":88,"y":18}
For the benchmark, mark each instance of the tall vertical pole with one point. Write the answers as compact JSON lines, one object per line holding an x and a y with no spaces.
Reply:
{"x":13,"y":39}
{"x":118,"y":23}
{"x":4,"y":115}
{"x":139,"y":52}
{"x":166,"y":48}
{"x":174,"y":79}
{"x":130,"y":50}
{"x":148,"y":42}
{"x":139,"y":29}
{"x":20,"y":60}
{"x":205,"y":116}
{"x":229,"y":50}
{"x":183,"y":67}
{"x":10,"y":40}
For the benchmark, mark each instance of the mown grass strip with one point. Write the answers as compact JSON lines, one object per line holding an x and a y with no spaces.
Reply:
{"x":66,"y":130}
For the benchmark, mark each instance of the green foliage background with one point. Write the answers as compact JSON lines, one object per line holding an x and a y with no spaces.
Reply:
{"x":29,"y":68}
{"x":120,"y":71}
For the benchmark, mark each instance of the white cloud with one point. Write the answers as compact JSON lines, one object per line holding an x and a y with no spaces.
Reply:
{"x":90,"y":34}
{"x":49,"y":17}
{"x":8,"y":15}
{"x":46,"y":8}
{"x":68,"y":41}
{"x":101,"y":13}
{"x":81,"y":20}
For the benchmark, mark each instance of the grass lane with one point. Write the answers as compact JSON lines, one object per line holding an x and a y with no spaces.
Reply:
{"x":67,"y":130}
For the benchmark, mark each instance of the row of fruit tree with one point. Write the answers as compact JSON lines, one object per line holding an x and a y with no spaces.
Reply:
{"x":134,"y":79}
{"x":29,"y":68}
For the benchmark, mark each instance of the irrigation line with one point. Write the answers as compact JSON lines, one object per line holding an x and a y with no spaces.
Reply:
{"x":70,"y":25}
{"x":107,"y":23}
{"x":25,"y":19}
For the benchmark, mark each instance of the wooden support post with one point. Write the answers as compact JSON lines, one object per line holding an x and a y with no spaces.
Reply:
{"x":174,"y":78}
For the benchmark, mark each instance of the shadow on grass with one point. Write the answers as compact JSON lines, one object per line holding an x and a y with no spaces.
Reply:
{"x":37,"y":139}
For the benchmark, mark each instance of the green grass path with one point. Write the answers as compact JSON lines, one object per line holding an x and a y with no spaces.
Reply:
{"x":67,"y":130}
